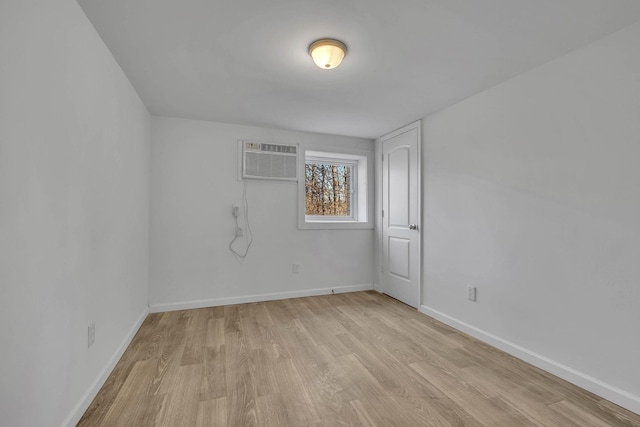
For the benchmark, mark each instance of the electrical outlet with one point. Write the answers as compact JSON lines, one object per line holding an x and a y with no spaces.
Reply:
{"x":91,"y":334}
{"x":295,"y":268}
{"x":471,"y":293}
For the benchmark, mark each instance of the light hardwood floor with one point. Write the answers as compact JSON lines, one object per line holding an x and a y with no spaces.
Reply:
{"x":358,"y":359}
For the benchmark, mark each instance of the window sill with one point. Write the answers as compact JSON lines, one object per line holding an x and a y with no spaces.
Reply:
{"x":334,"y":225}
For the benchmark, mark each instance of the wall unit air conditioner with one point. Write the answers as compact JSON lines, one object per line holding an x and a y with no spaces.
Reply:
{"x":266,"y":161}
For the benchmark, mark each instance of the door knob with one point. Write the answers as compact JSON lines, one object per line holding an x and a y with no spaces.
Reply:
{"x":413,"y":227}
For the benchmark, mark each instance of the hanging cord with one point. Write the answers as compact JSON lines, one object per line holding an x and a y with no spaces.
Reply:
{"x":240,"y":257}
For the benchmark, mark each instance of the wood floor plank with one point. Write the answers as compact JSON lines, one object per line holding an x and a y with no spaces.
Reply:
{"x":215,"y":379}
{"x":354,"y":359}
{"x":215,"y":332}
{"x":136,"y":387}
{"x":363,"y":416}
{"x":181,"y":407}
{"x":265,"y":377}
{"x":150,"y":411}
{"x":491,"y":411}
{"x":212,"y":413}
{"x":171,"y":326}
{"x":272,"y":411}
{"x":619,"y":416}
{"x":297,"y":400}
{"x":571,"y":411}
{"x":240,"y":381}
{"x":103,"y":401}
{"x":195,"y":337}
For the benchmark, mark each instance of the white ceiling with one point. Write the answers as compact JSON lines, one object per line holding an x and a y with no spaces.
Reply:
{"x":246,"y":61}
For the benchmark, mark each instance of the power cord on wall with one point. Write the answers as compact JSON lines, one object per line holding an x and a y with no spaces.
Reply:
{"x":240,"y":256}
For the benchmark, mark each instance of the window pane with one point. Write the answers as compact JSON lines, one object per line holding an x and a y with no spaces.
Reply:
{"x":328,"y":189}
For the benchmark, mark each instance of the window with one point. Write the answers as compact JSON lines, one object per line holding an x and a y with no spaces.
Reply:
{"x":333,"y":189}
{"x":328,"y":188}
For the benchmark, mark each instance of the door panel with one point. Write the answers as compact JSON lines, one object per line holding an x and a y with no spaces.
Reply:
{"x":398,"y":170}
{"x":399,"y":250}
{"x":401,"y":214}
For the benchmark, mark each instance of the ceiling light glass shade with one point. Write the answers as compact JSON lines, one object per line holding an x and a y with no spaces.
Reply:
{"x":327,"y":53}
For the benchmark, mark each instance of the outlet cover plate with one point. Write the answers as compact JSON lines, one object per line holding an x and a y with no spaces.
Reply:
{"x":91,"y":334}
{"x":471,"y":293}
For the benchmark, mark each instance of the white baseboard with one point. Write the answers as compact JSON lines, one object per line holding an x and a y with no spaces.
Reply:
{"x":187,"y":305}
{"x":84,"y":403}
{"x":587,"y":382}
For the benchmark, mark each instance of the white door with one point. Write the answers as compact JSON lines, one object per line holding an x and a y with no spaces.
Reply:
{"x":400,"y":214}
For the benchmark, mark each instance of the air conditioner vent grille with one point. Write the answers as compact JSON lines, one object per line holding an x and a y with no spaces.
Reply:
{"x":269,"y":161}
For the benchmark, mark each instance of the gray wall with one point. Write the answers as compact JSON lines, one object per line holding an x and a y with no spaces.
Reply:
{"x":531,"y":193}
{"x":194,"y":184}
{"x":74,"y":168}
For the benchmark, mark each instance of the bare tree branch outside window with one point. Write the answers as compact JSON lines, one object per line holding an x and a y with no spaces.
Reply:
{"x":328,"y":189}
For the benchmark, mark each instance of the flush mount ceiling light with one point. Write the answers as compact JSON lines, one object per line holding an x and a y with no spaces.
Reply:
{"x":327,"y":53}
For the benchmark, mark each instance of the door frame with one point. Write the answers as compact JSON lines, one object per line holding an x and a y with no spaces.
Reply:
{"x":380,"y":285}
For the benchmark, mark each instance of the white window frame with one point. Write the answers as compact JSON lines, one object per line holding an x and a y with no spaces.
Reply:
{"x":353,"y":201}
{"x":362,"y":191}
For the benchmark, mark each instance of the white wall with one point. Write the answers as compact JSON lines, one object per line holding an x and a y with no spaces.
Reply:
{"x":531,"y":193}
{"x":194,"y":184}
{"x":74,"y":152}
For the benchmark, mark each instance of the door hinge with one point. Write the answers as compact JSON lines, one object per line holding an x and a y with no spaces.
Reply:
{"x":382,"y":157}
{"x":383,"y":213}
